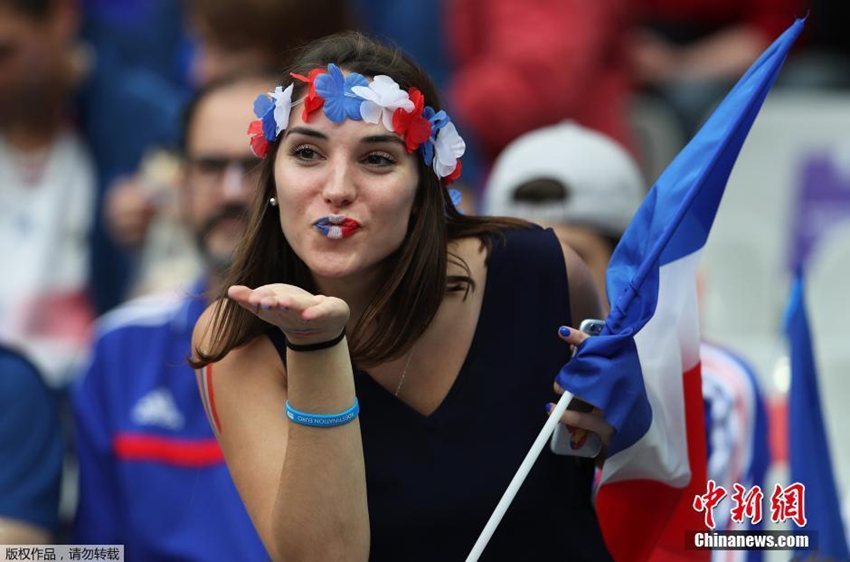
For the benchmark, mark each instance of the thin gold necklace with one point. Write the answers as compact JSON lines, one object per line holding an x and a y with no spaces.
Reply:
{"x":404,"y":373}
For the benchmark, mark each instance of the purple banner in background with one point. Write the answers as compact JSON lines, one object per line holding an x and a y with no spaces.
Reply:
{"x":821,"y":202}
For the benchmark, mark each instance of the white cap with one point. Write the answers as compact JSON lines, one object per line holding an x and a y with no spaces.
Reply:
{"x":603,"y":184}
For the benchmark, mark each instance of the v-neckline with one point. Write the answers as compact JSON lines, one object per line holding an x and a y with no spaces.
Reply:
{"x":459,"y":381}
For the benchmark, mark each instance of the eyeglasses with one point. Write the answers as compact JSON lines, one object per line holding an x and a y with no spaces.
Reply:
{"x":207,"y":172}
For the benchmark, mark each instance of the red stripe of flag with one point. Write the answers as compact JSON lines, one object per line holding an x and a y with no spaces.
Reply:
{"x":630,"y":537}
{"x":686,"y":518}
{"x":212,"y":399}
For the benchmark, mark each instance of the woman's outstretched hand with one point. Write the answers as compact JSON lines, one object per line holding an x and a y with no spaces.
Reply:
{"x":304,"y":318}
{"x":592,"y":421}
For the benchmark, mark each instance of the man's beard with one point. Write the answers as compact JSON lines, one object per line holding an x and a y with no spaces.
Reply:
{"x":218,"y":263}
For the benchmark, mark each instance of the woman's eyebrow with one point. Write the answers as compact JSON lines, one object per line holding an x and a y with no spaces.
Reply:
{"x":374,"y":139}
{"x":307,"y":132}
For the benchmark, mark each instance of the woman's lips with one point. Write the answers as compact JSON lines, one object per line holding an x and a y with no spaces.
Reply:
{"x":336,"y":227}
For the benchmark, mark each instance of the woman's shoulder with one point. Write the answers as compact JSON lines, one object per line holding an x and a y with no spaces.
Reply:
{"x":538,"y":245}
{"x":532,"y":254}
{"x":489,"y":233}
{"x":519,"y":247}
{"x":532,"y":247}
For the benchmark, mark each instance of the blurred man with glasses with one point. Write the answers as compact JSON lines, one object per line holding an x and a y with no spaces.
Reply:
{"x":152,"y":476}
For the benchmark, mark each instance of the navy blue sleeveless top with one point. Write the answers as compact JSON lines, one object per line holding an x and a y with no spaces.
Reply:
{"x":433,"y":481}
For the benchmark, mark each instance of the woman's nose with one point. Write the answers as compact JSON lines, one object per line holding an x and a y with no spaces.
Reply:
{"x":339,"y":189}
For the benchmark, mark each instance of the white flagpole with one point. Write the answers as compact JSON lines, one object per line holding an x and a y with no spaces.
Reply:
{"x":519,"y":477}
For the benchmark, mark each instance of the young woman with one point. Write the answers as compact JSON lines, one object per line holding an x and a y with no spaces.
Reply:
{"x":360,"y":289}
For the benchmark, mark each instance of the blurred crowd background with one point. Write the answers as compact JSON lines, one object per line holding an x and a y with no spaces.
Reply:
{"x":93,"y":92}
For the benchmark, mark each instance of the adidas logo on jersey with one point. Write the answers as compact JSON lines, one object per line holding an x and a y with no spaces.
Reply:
{"x":159,"y":409}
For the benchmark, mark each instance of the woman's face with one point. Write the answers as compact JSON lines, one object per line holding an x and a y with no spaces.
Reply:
{"x":345,"y":193}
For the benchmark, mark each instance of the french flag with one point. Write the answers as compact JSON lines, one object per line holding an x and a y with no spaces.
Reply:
{"x":644,"y":370}
{"x":811,"y":463}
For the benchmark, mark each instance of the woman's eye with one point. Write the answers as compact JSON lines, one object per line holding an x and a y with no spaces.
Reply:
{"x":305,"y":153}
{"x":379,"y":159}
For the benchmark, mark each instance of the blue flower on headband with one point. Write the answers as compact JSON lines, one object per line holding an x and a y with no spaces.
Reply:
{"x":335,"y":89}
{"x":438,"y":121}
{"x":264,"y":110}
{"x":262,"y":105}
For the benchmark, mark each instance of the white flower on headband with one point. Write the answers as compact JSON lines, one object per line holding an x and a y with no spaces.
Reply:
{"x":448,"y":147}
{"x":282,"y":106}
{"x":381,"y":99}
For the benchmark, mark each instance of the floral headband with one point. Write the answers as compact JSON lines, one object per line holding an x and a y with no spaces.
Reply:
{"x":354,"y":97}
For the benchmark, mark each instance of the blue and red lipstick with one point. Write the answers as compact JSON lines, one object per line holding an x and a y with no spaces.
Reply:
{"x":337,"y":227}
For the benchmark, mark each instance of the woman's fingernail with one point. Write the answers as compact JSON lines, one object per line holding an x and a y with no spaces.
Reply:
{"x":564,"y":331}
{"x":548,"y":408}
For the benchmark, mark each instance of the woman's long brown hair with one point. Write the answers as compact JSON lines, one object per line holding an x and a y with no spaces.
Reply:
{"x":416,"y":277}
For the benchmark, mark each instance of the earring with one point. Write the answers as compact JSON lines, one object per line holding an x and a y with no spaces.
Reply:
{"x":273,"y":202}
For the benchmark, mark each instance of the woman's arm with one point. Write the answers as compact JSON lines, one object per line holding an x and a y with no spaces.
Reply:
{"x":723,"y":55}
{"x":304,"y":487}
{"x":584,"y":298}
{"x":584,"y":303}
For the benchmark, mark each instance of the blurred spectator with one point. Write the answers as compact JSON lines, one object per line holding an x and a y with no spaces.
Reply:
{"x":690,"y":52}
{"x":48,"y":187}
{"x":168,"y":258}
{"x":132,"y":102}
{"x":257,"y":34}
{"x":573,"y":179}
{"x":413,"y":26}
{"x":31,"y":444}
{"x":152,"y":476}
{"x":524,"y":65}
{"x":737,"y":432}
{"x":229,"y":36}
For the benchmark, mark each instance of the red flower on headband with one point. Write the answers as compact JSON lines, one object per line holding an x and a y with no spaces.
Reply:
{"x":259,"y":144}
{"x":312,"y":101}
{"x":414,"y":128}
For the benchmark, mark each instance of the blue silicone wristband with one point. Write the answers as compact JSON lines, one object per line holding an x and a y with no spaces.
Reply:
{"x":322,"y":420}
